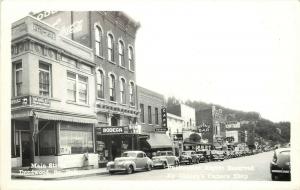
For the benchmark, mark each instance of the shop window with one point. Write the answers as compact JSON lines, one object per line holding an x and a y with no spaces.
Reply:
{"x":98,"y":41}
{"x":76,"y":138}
{"x":112,"y":88}
{"x":100,"y":84}
{"x":131,"y":94}
{"x":121,"y":53}
{"x":130,"y":58}
{"x":110,"y":47}
{"x":156,"y":116}
{"x":47,"y":141}
{"x":149,"y":115}
{"x":18,"y":78}
{"x":122,"y":91}
{"x":142,"y":113}
{"x":77,"y":88}
{"x":44,"y":79}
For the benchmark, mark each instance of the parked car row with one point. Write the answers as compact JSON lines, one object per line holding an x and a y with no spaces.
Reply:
{"x":131,"y":161}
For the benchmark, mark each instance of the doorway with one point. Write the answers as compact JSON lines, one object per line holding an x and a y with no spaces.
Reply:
{"x":26,"y":149}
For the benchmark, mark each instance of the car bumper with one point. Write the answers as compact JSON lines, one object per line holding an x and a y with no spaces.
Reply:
{"x":281,"y":171}
{"x":116,"y":168}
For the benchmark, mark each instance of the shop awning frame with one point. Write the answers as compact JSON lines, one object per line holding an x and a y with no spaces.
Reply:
{"x":158,"y":140}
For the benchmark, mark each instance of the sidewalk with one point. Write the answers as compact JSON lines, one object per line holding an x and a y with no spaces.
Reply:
{"x":60,"y":175}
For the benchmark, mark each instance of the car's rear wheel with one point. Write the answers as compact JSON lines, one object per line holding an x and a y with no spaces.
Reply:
{"x":176,"y":164}
{"x":111,"y":172}
{"x":129,"y":170}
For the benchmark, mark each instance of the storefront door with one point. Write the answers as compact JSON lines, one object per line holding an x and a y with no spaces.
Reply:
{"x":25,"y":140}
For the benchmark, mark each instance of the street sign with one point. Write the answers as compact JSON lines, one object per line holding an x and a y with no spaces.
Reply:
{"x":161,"y":129}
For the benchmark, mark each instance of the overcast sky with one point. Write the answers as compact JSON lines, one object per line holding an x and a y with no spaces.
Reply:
{"x":239,"y":55}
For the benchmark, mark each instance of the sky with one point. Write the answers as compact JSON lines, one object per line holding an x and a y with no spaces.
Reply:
{"x":240,"y":55}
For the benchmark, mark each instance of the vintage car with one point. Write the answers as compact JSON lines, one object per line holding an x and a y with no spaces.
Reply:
{"x":218,"y":155}
{"x":204,"y":155}
{"x":165,"y":159}
{"x":280,"y":166}
{"x":188,"y":157}
{"x":129,"y":162}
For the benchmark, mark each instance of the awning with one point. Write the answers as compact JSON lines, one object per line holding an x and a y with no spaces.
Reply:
{"x":158,"y":140}
{"x":57,"y":117}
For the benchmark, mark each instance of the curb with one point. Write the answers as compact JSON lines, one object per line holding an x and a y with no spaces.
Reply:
{"x":58,"y":178}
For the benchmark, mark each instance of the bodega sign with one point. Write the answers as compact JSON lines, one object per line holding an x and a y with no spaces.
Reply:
{"x":111,"y":130}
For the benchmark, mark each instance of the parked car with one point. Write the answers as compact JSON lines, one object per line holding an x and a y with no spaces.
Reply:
{"x":218,"y":155}
{"x":280,"y":165}
{"x":205,"y":155}
{"x":165,"y":159}
{"x":129,"y":162}
{"x":188,"y":157}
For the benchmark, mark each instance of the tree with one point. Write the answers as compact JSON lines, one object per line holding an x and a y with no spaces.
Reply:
{"x":194,"y":137}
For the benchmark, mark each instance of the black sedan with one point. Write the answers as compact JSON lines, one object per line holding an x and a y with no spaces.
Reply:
{"x":280,"y":166}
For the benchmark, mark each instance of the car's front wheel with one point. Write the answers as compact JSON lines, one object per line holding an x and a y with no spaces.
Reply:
{"x":164,"y":165}
{"x":129,"y":169}
{"x":273,"y":176}
{"x":111,"y":172}
{"x":148,"y":167}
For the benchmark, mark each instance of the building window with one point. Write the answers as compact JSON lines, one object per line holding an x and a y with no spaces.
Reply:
{"x":77,"y":88}
{"x":47,"y":140}
{"x":82,"y":89}
{"x":44,"y":79}
{"x":71,"y":88}
{"x":122,"y":91}
{"x":149,"y":115}
{"x":98,"y":41}
{"x":100,"y":84}
{"x":142,"y":113}
{"x":112,"y":88}
{"x":121,"y":54}
{"x":130,"y":59}
{"x":18,"y":79}
{"x":131,"y":94}
{"x":156,"y":116}
{"x":110,"y":47}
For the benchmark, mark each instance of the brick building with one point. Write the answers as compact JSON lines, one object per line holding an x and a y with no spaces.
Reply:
{"x":212,"y":119}
{"x":151,"y":104}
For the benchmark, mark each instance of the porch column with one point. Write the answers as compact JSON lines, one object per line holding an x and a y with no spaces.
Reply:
{"x":58,"y":137}
{"x":34,"y":126}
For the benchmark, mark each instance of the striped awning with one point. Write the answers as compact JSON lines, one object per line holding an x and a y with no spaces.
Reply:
{"x":58,"y":117}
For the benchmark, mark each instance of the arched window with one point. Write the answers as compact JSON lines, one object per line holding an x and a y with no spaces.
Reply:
{"x":112,"y":88}
{"x":100,"y":84}
{"x":130,"y":59}
{"x":122,"y":91}
{"x":121,"y":53}
{"x":98,"y":40}
{"x":110,"y":47}
{"x":131,"y":94}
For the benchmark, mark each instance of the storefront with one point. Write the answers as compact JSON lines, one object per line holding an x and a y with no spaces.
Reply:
{"x":40,"y":137}
{"x":112,"y":141}
{"x":157,"y":142}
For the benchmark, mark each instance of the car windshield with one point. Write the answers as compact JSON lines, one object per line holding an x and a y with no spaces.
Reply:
{"x":129,"y":154}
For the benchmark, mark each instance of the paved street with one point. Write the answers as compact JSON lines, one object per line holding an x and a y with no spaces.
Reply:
{"x":255,"y":167}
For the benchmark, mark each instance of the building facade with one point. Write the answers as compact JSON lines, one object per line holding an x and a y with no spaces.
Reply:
{"x":175,"y":132}
{"x":53,"y":98}
{"x":152,"y":108}
{"x":211,"y":123}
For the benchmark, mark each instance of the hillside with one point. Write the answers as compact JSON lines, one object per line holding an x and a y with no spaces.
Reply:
{"x":268,"y":130}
